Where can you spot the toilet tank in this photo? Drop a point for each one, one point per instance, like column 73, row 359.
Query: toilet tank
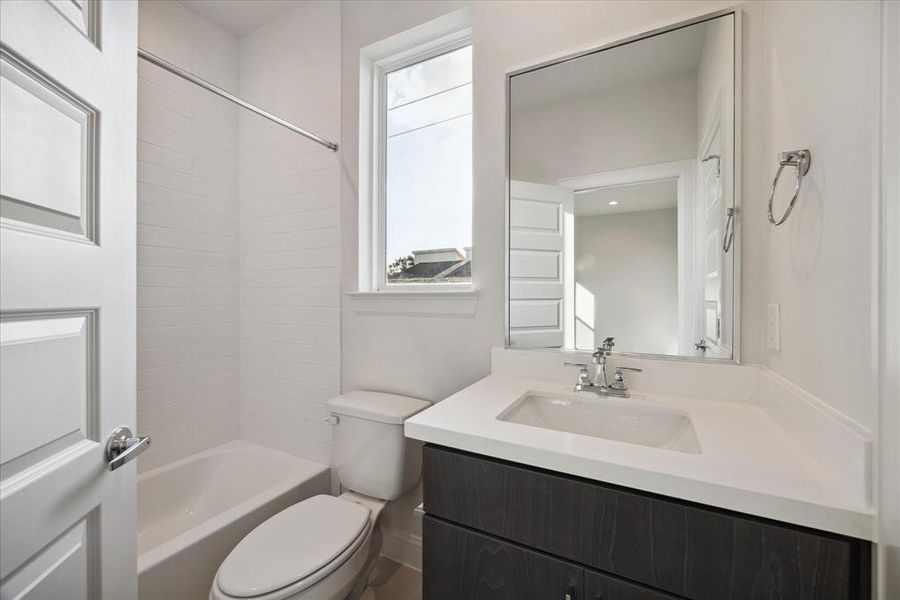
column 371, row 454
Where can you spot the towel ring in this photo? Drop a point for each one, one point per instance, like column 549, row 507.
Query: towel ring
column 800, row 160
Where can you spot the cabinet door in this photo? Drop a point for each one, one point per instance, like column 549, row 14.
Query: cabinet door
column 459, row 564
column 598, row 586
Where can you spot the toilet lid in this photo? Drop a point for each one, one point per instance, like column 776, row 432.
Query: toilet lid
column 292, row 545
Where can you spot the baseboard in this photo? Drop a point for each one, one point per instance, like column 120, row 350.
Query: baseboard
column 403, row 547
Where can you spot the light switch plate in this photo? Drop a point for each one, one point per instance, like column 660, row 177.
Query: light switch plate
column 773, row 327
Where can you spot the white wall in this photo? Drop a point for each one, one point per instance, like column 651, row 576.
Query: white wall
column 888, row 437
column 647, row 123
column 290, row 232
column 823, row 68
column 628, row 263
column 187, row 238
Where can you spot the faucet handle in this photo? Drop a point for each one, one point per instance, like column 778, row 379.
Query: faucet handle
column 619, row 380
column 583, row 379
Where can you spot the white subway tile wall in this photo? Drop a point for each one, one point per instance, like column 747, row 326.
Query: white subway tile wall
column 188, row 248
column 238, row 235
column 290, row 232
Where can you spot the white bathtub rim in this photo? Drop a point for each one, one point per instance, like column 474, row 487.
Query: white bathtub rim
column 297, row 475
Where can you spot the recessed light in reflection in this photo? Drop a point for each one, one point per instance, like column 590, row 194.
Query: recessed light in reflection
column 613, row 202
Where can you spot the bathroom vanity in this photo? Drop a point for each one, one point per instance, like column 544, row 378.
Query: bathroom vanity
column 497, row 529
column 532, row 490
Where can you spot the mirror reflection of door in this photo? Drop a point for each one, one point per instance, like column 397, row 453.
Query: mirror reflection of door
column 540, row 255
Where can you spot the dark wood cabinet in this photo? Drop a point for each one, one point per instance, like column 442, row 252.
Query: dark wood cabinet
column 600, row 586
column 465, row 565
column 634, row 545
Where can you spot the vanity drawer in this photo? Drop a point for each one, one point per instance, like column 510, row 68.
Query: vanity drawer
column 686, row 549
column 599, row 586
column 465, row 565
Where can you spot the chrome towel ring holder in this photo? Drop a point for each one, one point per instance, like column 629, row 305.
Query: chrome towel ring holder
column 800, row 160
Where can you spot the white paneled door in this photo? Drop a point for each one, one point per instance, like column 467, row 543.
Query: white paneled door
column 67, row 297
column 541, row 267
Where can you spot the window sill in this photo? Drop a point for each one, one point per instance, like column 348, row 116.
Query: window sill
column 416, row 303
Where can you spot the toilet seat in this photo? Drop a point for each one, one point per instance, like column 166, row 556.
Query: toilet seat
column 295, row 549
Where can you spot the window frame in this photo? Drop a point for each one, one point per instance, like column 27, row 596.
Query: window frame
column 381, row 69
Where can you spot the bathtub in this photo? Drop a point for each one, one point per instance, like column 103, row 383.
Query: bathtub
column 192, row 512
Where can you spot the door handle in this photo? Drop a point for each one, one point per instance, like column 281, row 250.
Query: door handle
column 728, row 236
column 122, row 447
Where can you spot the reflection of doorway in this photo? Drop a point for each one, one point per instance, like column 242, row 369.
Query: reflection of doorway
column 617, row 185
column 710, row 215
column 715, row 262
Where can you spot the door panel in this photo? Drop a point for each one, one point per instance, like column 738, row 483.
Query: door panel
column 464, row 565
column 47, row 186
column 43, row 415
column 535, row 313
column 65, row 569
column 84, row 15
column 67, row 297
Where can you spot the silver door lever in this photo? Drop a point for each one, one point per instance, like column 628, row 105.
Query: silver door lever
column 122, row 447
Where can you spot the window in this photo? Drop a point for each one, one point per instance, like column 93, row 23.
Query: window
column 423, row 187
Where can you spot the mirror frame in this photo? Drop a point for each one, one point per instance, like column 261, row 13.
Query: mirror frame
column 737, row 183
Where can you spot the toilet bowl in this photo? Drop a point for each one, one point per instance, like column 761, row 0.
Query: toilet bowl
column 324, row 547
column 315, row 550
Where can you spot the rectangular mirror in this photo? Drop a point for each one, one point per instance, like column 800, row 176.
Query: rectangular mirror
column 622, row 196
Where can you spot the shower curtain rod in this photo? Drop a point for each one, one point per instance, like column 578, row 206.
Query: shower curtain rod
column 152, row 58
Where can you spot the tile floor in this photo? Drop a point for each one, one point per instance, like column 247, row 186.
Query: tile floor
column 392, row 581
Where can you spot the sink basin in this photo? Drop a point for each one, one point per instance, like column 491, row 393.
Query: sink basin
column 612, row 419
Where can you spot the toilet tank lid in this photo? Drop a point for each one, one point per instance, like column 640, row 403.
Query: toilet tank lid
column 377, row 406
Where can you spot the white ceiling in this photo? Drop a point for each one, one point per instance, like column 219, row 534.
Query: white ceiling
column 240, row 17
column 663, row 55
column 639, row 197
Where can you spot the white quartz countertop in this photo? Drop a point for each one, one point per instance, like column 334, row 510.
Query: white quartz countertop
column 748, row 463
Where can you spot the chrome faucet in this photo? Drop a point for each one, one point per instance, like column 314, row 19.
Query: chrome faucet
column 599, row 358
column 600, row 385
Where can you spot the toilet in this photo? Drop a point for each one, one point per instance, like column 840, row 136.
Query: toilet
column 324, row 547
